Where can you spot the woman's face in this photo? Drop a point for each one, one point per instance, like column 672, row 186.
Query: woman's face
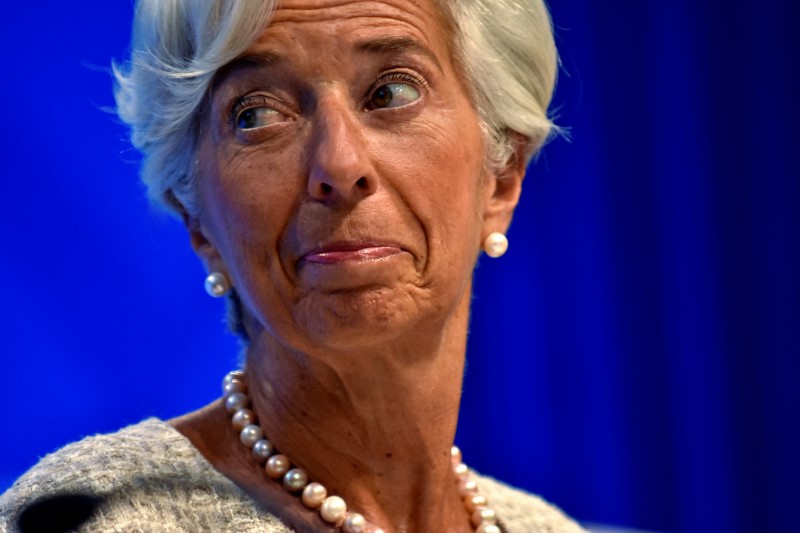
column 342, row 184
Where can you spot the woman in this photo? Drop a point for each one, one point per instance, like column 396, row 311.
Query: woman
column 338, row 165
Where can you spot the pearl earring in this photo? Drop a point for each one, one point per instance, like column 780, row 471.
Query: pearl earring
column 217, row 284
column 495, row 244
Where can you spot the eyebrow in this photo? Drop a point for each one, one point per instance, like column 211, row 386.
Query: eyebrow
column 380, row 46
column 246, row 62
column 394, row 45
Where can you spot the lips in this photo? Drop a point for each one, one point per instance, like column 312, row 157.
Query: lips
column 340, row 252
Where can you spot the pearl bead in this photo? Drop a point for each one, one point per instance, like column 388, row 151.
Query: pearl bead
column 488, row 528
column 455, row 455
column 295, row 479
column 314, row 494
column 234, row 386
column 277, row 466
column 250, row 435
column 217, row 284
column 474, row 501
column 467, row 487
column 235, row 402
column 354, row 523
column 461, row 471
column 333, row 509
column 262, row 449
column 242, row 418
column 495, row 245
column 236, row 375
column 483, row 515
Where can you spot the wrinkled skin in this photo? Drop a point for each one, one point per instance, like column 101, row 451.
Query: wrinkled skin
column 343, row 191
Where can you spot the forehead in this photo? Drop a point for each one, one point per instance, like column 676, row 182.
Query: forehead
column 338, row 23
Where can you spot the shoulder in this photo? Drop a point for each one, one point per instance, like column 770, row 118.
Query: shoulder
column 142, row 475
column 520, row 511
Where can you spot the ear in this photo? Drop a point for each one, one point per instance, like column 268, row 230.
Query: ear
column 505, row 188
column 199, row 238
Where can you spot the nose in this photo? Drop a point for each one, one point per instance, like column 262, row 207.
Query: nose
column 340, row 166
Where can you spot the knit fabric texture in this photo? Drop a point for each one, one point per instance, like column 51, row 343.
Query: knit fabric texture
column 149, row 477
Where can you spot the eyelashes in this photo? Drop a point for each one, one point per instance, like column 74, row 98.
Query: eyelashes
column 254, row 111
column 392, row 90
column 395, row 89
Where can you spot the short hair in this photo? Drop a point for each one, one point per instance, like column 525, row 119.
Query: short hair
column 506, row 49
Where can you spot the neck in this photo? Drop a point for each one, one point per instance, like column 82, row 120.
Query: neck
column 373, row 425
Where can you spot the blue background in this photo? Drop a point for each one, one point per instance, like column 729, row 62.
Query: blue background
column 633, row 358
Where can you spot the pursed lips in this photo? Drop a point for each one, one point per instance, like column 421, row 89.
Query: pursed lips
column 339, row 252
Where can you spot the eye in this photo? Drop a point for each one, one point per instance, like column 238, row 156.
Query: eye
column 257, row 117
column 255, row 111
column 391, row 95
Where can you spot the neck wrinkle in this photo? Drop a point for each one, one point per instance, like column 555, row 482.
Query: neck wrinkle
column 375, row 428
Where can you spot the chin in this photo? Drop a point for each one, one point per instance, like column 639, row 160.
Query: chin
column 356, row 318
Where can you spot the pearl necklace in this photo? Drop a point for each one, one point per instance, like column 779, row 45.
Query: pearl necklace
column 333, row 509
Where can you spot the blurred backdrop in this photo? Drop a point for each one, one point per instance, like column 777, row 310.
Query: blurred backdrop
column 633, row 358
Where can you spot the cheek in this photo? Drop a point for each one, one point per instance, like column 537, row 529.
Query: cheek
column 442, row 183
column 248, row 200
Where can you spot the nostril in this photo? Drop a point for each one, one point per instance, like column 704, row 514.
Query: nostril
column 326, row 189
column 362, row 183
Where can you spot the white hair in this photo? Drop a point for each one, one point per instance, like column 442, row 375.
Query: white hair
column 509, row 54
column 506, row 48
